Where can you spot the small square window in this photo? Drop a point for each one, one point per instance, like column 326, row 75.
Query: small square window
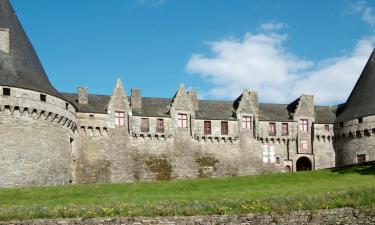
column 67, row 105
column 361, row 158
column 326, row 128
column 360, row 120
column 6, row 91
column 92, row 115
column 43, row 97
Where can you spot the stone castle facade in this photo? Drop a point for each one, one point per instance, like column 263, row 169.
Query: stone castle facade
column 53, row 138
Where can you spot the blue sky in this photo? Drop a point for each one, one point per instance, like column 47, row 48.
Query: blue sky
column 280, row 49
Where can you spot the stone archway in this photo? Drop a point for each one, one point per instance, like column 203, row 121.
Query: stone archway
column 304, row 164
column 287, row 169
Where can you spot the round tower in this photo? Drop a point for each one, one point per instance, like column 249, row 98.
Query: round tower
column 37, row 124
column 355, row 122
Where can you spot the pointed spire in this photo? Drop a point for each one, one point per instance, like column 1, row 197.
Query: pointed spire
column 119, row 89
column 19, row 64
column 361, row 101
column 182, row 87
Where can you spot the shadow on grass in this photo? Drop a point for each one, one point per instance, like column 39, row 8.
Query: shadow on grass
column 367, row 168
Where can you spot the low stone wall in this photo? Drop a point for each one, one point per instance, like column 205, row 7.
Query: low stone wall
column 333, row 216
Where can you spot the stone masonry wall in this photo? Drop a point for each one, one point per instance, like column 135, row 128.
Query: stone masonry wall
column 37, row 140
column 322, row 217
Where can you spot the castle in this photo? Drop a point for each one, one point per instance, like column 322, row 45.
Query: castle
column 53, row 138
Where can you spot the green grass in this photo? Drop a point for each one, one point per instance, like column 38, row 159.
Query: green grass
column 332, row 188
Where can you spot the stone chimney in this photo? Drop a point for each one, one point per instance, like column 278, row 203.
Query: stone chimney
column 83, row 95
column 136, row 99
column 194, row 99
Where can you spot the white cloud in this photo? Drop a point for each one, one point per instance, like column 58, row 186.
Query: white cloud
column 261, row 63
column 270, row 26
column 367, row 13
column 151, row 2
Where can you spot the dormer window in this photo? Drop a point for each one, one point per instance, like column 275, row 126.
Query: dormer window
column 119, row 119
column 246, row 122
column 304, row 125
column 182, row 120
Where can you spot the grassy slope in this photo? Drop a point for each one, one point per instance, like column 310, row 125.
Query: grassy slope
column 245, row 188
column 240, row 189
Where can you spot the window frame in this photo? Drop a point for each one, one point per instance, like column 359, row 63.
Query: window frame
column 7, row 91
column 326, row 128
column 304, row 125
column 145, row 128
column 359, row 156
column 284, row 132
column 247, row 122
column 225, row 128
column 120, row 119
column 207, row 127
column 272, row 129
column 160, row 126
column 182, row 120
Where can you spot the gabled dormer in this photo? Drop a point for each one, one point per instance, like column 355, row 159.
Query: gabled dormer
column 118, row 106
column 246, row 108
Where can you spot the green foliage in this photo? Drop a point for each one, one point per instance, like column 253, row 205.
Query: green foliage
column 325, row 189
column 205, row 161
column 160, row 166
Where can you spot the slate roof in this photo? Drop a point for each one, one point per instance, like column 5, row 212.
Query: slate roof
column 325, row 114
column 21, row 67
column 361, row 101
column 208, row 109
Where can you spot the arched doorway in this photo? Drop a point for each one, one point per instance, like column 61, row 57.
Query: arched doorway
column 287, row 169
column 304, row 164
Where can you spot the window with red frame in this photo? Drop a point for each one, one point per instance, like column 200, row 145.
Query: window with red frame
column 160, row 125
column 207, row 127
column 182, row 120
column 272, row 129
column 303, row 125
column 246, row 122
column 119, row 119
column 285, row 129
column 224, row 128
column 145, row 126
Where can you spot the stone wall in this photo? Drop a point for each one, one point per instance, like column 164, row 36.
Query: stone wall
column 322, row 217
column 37, row 140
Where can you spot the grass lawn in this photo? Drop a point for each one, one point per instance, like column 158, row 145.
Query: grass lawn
column 331, row 188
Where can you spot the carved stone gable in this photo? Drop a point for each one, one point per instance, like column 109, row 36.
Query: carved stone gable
column 305, row 107
column 182, row 101
column 119, row 100
column 248, row 103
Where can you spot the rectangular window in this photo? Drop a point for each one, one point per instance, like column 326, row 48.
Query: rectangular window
column 145, row 127
column 160, row 126
column 246, row 122
column 326, row 128
column 6, row 91
column 361, row 158
column 360, row 120
column 224, row 128
column 207, row 127
column 303, row 125
column 119, row 119
column 43, row 97
column 272, row 129
column 182, row 120
column 285, row 129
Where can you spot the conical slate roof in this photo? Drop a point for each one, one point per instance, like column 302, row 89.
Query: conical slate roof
column 20, row 67
column 361, row 101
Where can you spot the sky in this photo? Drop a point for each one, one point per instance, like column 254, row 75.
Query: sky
column 280, row 49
